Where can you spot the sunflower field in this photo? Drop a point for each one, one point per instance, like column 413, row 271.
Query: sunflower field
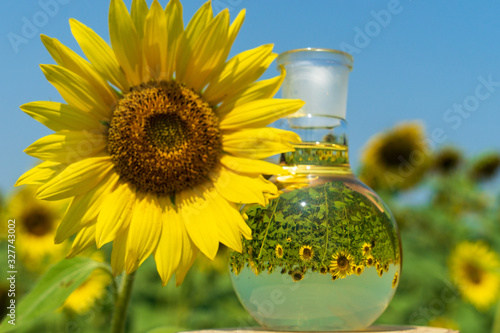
column 447, row 209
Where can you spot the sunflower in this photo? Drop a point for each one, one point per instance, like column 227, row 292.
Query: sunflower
column 36, row 224
column 366, row 248
column 83, row 298
column 395, row 280
column 297, row 275
column 443, row 322
column 396, row 159
column 161, row 139
column 370, row 261
column 447, row 160
column 254, row 267
column 486, row 167
column 279, row 251
column 358, row 269
column 341, row 264
column 474, row 269
column 306, row 253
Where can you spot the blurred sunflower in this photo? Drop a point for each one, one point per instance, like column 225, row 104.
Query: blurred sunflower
column 447, row 160
column 279, row 251
column 297, row 275
column 36, row 223
column 395, row 280
column 485, row 167
column 370, row 261
column 341, row 264
column 474, row 269
column 366, row 248
column 83, row 298
column 443, row 322
column 306, row 253
column 358, row 270
column 160, row 164
column 396, row 159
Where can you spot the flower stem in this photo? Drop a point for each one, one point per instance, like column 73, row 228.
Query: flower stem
column 121, row 304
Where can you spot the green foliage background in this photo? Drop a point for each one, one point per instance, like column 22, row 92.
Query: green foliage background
column 442, row 210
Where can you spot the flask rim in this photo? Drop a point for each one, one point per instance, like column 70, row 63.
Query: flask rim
column 313, row 53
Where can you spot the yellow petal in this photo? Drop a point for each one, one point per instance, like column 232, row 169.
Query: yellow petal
column 242, row 189
column 155, row 40
column 115, row 214
column 189, row 253
column 138, row 11
column 76, row 91
column 245, row 230
column 168, row 252
column 259, row 143
column 77, row 178
column 83, row 240
column 84, row 209
column 227, row 224
column 144, row 232
column 199, row 218
column 125, row 42
column 257, row 90
column 259, row 113
column 40, row 174
column 194, row 28
column 118, row 253
column 68, row 147
column 58, row 116
column 232, row 33
column 68, row 226
column 238, row 73
column 251, row 166
column 235, row 27
column 175, row 28
column 209, row 52
column 68, row 59
column 99, row 54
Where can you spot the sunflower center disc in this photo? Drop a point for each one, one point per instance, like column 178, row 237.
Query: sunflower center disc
column 164, row 138
column 37, row 221
column 396, row 152
column 342, row 262
column 473, row 273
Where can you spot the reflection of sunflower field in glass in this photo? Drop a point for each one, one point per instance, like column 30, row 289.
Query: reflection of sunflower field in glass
column 306, row 253
column 158, row 129
column 342, row 264
column 333, row 229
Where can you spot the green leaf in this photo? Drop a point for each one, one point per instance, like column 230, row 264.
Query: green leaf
column 50, row 292
column 339, row 204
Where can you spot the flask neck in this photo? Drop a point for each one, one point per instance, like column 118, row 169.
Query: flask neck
column 319, row 77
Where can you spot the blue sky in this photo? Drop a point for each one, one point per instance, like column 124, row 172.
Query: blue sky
column 437, row 61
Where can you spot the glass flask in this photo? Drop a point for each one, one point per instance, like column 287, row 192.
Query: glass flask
column 326, row 254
